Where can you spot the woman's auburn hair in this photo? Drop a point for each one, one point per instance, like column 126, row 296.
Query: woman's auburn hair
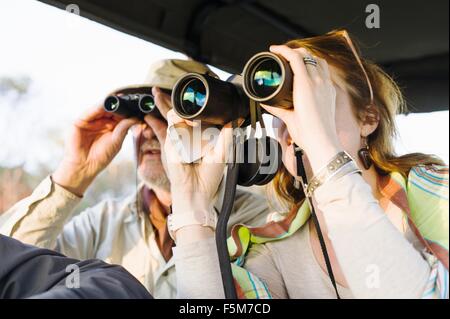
column 388, row 102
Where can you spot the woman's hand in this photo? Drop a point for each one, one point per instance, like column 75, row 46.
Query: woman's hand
column 95, row 139
column 194, row 185
column 311, row 123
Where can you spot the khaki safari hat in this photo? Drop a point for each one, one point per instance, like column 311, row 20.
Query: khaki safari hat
column 165, row 73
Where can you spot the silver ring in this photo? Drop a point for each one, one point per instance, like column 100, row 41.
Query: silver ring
column 310, row 60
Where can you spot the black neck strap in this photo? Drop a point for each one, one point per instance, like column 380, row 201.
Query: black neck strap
column 301, row 173
column 231, row 181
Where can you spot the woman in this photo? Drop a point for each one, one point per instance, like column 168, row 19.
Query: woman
column 384, row 218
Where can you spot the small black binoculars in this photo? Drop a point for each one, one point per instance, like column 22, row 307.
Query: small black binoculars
column 133, row 103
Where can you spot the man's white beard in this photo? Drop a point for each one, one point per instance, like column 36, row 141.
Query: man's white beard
column 161, row 181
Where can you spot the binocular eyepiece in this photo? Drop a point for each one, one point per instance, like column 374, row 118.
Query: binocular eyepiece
column 132, row 105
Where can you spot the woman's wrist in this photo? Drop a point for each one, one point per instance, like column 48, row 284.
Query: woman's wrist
column 193, row 216
column 193, row 233
column 184, row 202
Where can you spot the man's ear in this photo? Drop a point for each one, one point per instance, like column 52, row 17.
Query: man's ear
column 370, row 119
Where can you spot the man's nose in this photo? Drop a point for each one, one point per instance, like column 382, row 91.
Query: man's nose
column 148, row 132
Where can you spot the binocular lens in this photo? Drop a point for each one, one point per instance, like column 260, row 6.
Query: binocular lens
column 147, row 104
column 193, row 97
column 111, row 104
column 266, row 78
column 204, row 97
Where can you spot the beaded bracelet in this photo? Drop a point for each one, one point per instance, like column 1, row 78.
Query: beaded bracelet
column 341, row 164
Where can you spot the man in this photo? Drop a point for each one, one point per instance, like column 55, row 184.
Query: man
column 30, row 272
column 130, row 232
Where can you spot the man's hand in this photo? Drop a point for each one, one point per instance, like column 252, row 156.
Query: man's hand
column 95, row 139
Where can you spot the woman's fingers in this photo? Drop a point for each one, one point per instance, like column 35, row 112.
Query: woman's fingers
column 307, row 59
column 324, row 69
column 279, row 112
column 223, row 148
column 163, row 101
column 173, row 118
column 172, row 151
column 304, row 71
column 295, row 59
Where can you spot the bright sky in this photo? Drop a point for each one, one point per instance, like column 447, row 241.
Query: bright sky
column 73, row 63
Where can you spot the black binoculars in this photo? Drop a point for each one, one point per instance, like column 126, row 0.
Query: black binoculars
column 133, row 103
column 267, row 78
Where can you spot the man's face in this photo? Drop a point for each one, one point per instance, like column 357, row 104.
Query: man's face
column 148, row 149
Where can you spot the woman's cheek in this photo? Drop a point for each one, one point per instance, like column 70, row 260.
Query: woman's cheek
column 289, row 159
column 348, row 133
column 282, row 136
column 347, row 124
